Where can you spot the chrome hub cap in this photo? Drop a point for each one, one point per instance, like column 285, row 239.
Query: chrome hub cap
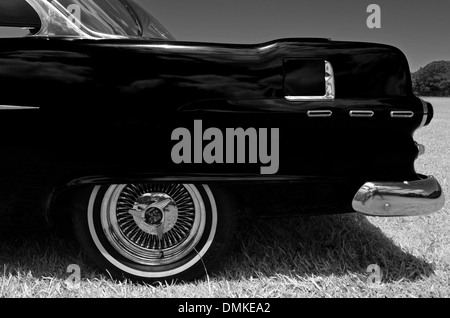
column 153, row 224
column 154, row 213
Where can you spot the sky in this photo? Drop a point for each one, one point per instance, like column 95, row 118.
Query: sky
column 421, row 29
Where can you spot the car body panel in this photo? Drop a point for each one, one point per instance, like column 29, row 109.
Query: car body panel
column 82, row 111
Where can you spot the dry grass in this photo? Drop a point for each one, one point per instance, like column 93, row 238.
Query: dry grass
column 323, row 256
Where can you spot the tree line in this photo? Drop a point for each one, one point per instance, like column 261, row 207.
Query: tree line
column 432, row 80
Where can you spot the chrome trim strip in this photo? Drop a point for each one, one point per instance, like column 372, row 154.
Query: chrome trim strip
column 402, row 114
column 10, row 107
column 320, row 113
column 330, row 90
column 408, row 198
column 425, row 113
column 361, row 113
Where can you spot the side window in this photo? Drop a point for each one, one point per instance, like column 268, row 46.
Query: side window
column 16, row 17
column 12, row 32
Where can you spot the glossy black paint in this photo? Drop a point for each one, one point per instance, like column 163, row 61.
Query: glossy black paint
column 105, row 110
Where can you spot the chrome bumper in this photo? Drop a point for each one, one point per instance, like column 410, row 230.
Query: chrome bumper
column 408, row 198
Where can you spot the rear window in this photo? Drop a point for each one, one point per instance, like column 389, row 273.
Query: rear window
column 112, row 17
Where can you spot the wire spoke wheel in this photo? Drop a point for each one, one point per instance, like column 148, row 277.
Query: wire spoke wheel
column 151, row 235
column 154, row 231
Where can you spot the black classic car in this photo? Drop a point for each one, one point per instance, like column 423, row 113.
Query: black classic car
column 150, row 146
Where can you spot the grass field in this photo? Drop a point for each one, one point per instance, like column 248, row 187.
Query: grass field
column 324, row 256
